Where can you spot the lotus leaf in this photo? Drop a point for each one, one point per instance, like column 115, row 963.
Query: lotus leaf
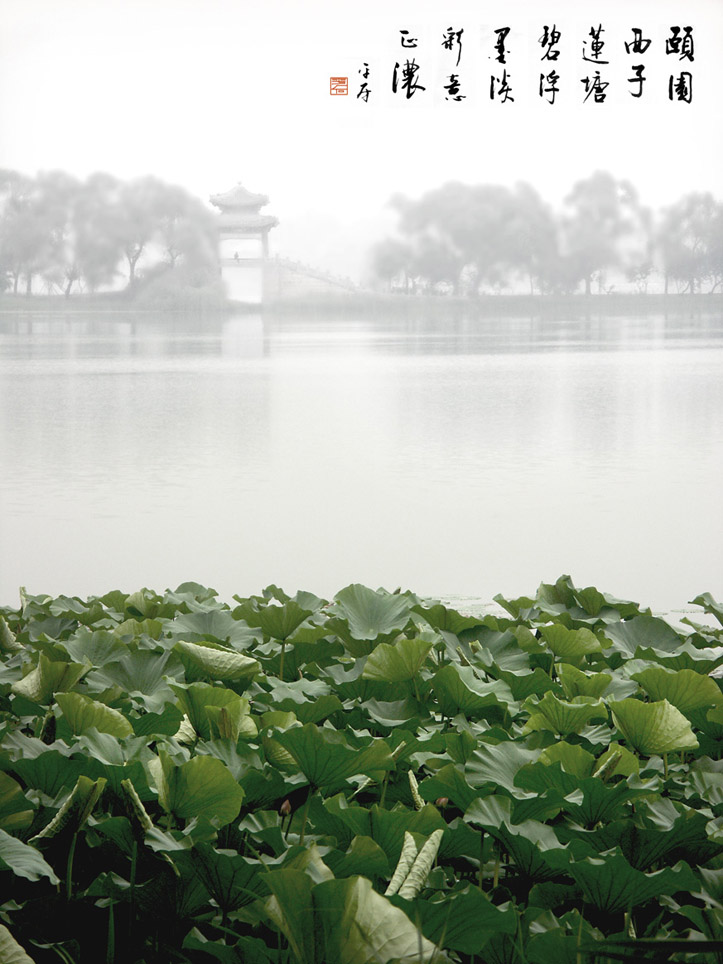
column 570, row 645
column 201, row 787
column 16, row 811
column 612, row 885
column 397, row 662
column 653, row 727
column 561, row 716
column 83, row 713
column 460, row 691
column 48, row 678
column 685, row 689
column 327, row 760
column 10, row 951
column 211, row 661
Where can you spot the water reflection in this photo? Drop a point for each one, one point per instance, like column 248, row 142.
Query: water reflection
column 464, row 456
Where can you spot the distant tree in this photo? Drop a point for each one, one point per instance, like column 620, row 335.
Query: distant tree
column 390, row 259
column 58, row 197
column 601, row 212
column 533, row 237
column 24, row 230
column 689, row 239
column 186, row 229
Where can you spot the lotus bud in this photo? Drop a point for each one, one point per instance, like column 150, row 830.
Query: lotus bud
column 441, row 802
column 285, row 808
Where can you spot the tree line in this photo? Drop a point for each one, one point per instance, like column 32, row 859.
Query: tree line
column 75, row 235
column 463, row 239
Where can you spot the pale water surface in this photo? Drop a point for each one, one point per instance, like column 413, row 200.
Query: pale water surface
column 450, row 457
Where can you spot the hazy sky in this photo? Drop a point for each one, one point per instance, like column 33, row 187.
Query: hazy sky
column 205, row 93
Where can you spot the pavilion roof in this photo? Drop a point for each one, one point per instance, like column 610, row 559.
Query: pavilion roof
column 239, row 197
column 240, row 220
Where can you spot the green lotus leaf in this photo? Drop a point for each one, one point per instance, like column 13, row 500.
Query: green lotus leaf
column 16, row 811
column 24, row 860
column 155, row 724
column 98, row 647
column 360, row 926
column 677, row 832
column 231, row 879
column 291, row 908
column 310, row 700
column 497, row 766
column 397, row 662
column 364, row 857
column 48, row 678
column 685, row 689
column 201, row 787
column 326, row 759
column 653, row 728
column 576, row 682
column 710, row 605
column 591, row 600
column 279, row 622
column 277, row 755
column 195, row 700
column 279, row 719
column 685, row 656
column 8, row 642
column 572, row 758
column 612, row 885
column 561, row 716
column 505, row 652
column 537, row 852
column 449, row 782
column 142, row 674
column 76, row 809
column 135, row 628
column 642, row 632
column 458, row 690
column 446, row 619
column 82, row 713
column 369, row 615
column 534, row 682
column 231, row 722
column 715, row 715
column 217, row 625
column 570, row 645
column 10, row 951
column 211, row 661
column 626, row 763
column 461, row 921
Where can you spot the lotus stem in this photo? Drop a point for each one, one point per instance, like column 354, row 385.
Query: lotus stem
column 281, row 664
column 480, row 872
column 384, row 790
column 110, row 949
column 69, row 868
column 665, row 765
column 496, row 878
column 305, row 815
column 134, row 863
column 578, row 956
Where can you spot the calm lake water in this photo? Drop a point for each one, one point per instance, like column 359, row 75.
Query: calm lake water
column 450, row 457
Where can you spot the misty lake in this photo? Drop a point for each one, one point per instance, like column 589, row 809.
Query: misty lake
column 459, row 457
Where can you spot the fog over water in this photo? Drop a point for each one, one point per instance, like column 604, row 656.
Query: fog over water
column 460, row 456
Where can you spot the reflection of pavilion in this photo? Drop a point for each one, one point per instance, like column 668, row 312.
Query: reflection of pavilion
column 243, row 242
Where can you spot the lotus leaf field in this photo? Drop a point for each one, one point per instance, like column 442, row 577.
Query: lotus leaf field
column 376, row 778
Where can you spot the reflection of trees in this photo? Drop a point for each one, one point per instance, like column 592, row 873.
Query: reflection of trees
column 465, row 238
column 75, row 233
